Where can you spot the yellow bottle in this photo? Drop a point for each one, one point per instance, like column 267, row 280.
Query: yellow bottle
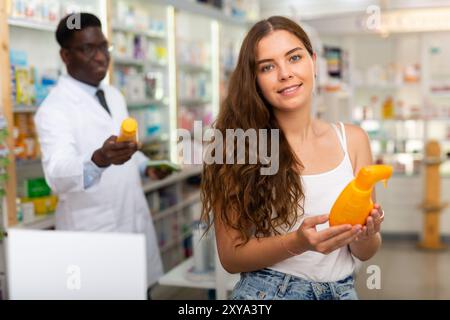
column 128, row 130
column 354, row 204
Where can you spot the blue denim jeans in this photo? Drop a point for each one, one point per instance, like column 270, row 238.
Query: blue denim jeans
column 267, row 284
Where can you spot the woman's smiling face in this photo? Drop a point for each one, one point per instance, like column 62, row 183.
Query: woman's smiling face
column 285, row 70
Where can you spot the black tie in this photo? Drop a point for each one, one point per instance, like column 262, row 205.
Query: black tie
column 101, row 98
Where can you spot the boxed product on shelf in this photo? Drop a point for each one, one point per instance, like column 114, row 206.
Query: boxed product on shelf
column 187, row 246
column 194, row 86
column 123, row 44
column 27, row 211
column 154, row 85
column 411, row 73
column 150, row 121
column 175, row 228
column 46, row 11
column 131, row 15
column 153, row 202
column 29, row 85
column 42, row 205
column 24, row 87
column 25, row 138
column 188, row 115
column 245, row 10
column 2, row 286
column 167, row 198
column 137, row 85
column 194, row 53
column 36, row 187
column 135, row 88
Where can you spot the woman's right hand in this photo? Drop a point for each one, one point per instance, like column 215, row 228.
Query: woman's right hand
column 328, row 240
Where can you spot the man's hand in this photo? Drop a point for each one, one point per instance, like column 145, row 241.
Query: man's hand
column 113, row 152
column 157, row 174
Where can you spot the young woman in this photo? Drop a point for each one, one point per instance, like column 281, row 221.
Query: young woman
column 274, row 229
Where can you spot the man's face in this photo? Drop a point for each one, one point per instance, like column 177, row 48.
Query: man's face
column 87, row 56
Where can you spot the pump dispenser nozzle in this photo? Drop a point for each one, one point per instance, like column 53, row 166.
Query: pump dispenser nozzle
column 368, row 176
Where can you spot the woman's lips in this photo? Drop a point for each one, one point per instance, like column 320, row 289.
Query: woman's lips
column 289, row 91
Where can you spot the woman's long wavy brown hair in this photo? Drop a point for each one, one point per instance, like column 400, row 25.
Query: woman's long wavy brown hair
column 238, row 194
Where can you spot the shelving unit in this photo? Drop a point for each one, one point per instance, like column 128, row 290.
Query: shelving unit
column 178, row 277
column 5, row 105
column 399, row 65
column 33, row 25
column 39, row 65
column 38, row 223
column 142, row 36
column 197, row 69
column 231, row 37
column 174, row 204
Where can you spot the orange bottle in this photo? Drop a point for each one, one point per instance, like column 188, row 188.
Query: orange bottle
column 128, row 130
column 354, row 204
column 388, row 108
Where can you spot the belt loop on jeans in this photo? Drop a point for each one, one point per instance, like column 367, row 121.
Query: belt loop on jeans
column 284, row 285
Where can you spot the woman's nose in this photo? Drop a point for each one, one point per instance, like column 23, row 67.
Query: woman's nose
column 284, row 73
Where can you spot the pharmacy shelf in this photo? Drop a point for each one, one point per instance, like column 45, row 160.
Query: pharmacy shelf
column 190, row 68
column 228, row 71
column 387, row 86
column 173, row 178
column 140, row 32
column 446, row 119
column 177, row 277
column 177, row 207
column 162, row 138
column 129, row 61
column 24, row 109
column 30, row 24
column 38, row 223
column 439, row 94
column 390, row 120
column 138, row 62
column 145, row 103
column 23, row 163
column 194, row 102
column 169, row 245
column 156, row 65
column 203, row 10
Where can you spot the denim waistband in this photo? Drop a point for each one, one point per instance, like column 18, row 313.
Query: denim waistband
column 271, row 284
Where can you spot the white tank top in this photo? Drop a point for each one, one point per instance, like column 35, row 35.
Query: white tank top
column 321, row 191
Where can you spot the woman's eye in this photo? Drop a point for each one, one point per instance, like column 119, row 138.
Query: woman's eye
column 267, row 67
column 296, row 58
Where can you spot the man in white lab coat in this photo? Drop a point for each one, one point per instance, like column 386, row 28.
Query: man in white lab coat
column 96, row 178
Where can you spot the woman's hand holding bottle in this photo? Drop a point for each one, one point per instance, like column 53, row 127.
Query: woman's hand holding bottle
column 327, row 240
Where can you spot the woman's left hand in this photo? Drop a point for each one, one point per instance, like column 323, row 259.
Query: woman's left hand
column 373, row 223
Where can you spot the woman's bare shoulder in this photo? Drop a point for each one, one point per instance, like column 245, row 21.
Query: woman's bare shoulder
column 355, row 133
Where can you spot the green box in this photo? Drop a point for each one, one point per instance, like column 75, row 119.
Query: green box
column 36, row 188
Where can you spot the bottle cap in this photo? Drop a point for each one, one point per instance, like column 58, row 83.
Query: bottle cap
column 129, row 125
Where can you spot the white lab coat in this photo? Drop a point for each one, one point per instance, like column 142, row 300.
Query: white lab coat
column 71, row 125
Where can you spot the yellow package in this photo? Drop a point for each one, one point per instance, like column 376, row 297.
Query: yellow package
column 40, row 206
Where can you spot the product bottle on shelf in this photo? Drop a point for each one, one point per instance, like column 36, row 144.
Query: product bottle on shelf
column 388, row 108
